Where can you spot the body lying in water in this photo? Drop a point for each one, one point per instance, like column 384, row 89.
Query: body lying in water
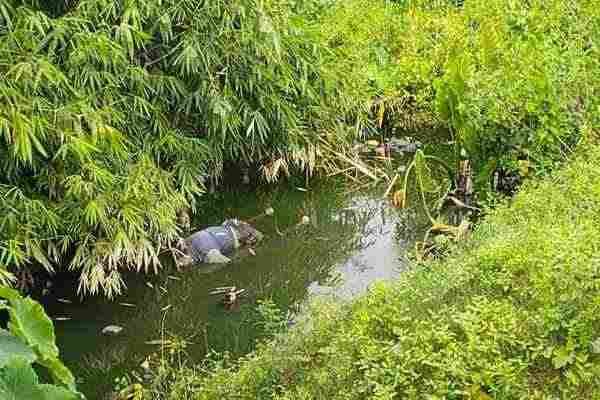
column 213, row 244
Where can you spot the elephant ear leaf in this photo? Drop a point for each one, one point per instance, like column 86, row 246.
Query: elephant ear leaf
column 29, row 323
column 18, row 381
column 51, row 392
column 60, row 373
column 11, row 346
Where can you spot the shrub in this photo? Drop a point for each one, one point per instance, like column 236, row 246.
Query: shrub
column 510, row 80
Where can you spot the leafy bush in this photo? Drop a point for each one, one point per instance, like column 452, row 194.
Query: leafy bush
column 30, row 339
column 513, row 314
column 115, row 113
column 510, row 79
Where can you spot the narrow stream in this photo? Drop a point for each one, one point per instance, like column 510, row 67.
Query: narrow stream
column 352, row 241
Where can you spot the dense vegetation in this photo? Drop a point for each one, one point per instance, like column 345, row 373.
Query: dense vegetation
column 513, row 314
column 28, row 340
column 116, row 113
column 512, row 80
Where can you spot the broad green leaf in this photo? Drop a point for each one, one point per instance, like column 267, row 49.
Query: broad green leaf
column 51, row 392
column 8, row 293
column 11, row 346
column 18, row 381
column 60, row 373
column 29, row 322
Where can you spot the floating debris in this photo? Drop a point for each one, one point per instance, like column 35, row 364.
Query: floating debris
column 127, row 305
column 174, row 278
column 230, row 295
column 305, row 220
column 251, row 251
column 149, row 285
column 65, row 301
column 246, row 178
column 145, row 365
column 221, row 289
column 158, row 342
column 62, row 318
column 269, row 211
column 112, row 330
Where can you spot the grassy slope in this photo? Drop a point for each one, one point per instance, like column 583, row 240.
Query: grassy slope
column 516, row 314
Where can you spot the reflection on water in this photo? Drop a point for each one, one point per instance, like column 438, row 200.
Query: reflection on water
column 375, row 254
column 348, row 245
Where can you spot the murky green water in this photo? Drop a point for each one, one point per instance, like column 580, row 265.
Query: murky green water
column 352, row 241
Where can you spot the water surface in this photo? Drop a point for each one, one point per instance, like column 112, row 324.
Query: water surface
column 351, row 241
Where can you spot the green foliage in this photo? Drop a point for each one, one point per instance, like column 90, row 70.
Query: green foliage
column 18, row 381
column 115, row 113
column 272, row 320
column 510, row 79
column 11, row 346
column 30, row 338
column 513, row 314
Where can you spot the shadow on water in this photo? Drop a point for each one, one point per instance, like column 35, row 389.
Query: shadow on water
column 350, row 242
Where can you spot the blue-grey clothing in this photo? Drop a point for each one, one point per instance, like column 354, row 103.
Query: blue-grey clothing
column 219, row 238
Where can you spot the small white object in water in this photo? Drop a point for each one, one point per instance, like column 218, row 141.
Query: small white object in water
column 112, row 330
column 251, row 251
column 269, row 211
column 305, row 220
column 145, row 365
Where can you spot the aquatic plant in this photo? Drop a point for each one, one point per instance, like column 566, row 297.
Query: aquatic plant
column 30, row 340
